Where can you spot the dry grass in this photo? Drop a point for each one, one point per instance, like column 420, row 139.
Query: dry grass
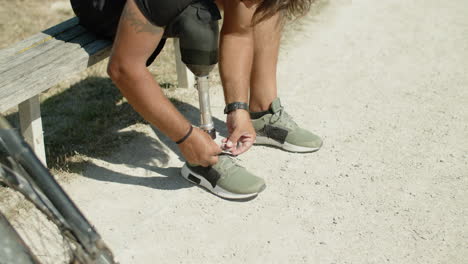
column 20, row 19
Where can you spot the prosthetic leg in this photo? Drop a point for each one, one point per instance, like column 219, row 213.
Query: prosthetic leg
column 206, row 120
column 198, row 32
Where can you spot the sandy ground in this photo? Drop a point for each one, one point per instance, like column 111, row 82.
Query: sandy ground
column 385, row 84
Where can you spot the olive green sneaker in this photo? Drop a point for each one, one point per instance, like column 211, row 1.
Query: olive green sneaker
column 277, row 128
column 226, row 179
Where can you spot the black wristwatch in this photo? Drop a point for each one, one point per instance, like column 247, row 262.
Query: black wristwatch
column 234, row 106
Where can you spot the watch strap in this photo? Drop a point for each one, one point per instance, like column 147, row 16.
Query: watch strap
column 234, row 106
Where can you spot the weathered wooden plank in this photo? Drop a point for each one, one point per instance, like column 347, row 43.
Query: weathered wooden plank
column 42, row 72
column 50, row 43
column 43, row 53
column 40, row 56
column 37, row 39
column 34, row 65
column 39, row 62
column 31, row 126
column 27, row 81
column 42, row 76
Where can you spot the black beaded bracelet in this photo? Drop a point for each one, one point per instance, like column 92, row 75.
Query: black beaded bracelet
column 186, row 136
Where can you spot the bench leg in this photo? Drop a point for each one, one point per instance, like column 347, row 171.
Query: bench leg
column 185, row 77
column 31, row 126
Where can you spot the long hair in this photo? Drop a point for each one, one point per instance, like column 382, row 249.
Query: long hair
column 288, row 8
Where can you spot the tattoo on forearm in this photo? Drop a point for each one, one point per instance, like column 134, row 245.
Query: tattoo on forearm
column 138, row 24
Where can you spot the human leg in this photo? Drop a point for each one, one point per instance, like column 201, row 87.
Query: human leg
column 198, row 33
column 272, row 124
column 263, row 88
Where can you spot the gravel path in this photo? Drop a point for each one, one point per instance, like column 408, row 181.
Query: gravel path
column 386, row 85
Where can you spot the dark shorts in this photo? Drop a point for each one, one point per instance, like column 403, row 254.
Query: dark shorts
column 162, row 12
column 102, row 16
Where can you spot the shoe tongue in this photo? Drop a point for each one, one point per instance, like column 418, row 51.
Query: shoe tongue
column 223, row 160
column 275, row 105
column 225, row 163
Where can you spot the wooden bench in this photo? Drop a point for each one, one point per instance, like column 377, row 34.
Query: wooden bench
column 36, row 64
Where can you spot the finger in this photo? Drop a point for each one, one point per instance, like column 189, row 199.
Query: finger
column 245, row 144
column 225, row 148
column 229, row 144
column 242, row 148
column 232, row 139
column 216, row 151
column 228, row 150
column 224, row 145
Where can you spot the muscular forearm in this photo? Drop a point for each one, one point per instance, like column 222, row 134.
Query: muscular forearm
column 135, row 41
column 146, row 97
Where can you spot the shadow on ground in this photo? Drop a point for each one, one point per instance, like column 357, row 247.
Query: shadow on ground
column 90, row 119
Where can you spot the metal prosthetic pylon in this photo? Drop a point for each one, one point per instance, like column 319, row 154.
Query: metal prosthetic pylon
column 206, row 119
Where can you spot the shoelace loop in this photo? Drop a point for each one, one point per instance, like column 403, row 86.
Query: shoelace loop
column 225, row 164
column 278, row 116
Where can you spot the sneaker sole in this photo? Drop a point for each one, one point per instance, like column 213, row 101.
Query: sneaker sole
column 285, row 146
column 201, row 181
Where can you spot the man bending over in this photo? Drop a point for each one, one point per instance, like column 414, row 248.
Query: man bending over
column 249, row 47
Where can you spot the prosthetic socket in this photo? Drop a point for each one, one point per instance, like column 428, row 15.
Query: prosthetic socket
column 198, row 33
